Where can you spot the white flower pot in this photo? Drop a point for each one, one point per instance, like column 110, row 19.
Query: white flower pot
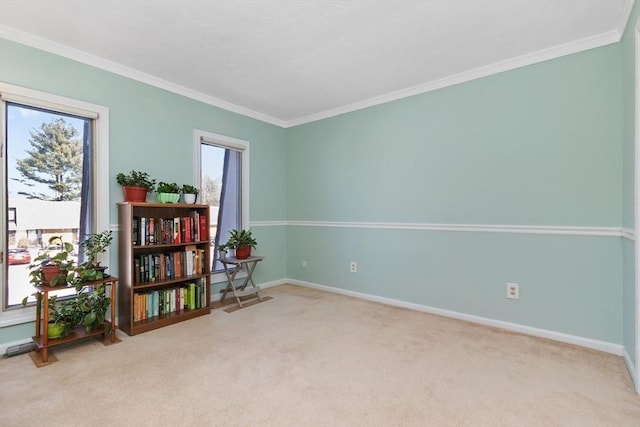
column 189, row 198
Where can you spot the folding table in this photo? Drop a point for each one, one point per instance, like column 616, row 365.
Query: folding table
column 232, row 266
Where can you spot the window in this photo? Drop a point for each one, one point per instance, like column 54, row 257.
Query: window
column 223, row 166
column 50, row 179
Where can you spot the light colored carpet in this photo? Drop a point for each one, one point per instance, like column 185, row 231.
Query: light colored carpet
column 311, row 358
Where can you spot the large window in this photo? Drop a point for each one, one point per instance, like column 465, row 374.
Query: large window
column 224, row 185
column 50, row 180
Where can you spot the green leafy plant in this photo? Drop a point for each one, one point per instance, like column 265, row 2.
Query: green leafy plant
column 95, row 244
column 240, row 238
column 136, row 179
column 59, row 313
column 89, row 307
column 166, row 187
column 189, row 189
column 61, row 263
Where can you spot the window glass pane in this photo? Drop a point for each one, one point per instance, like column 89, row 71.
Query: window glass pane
column 221, row 190
column 44, row 167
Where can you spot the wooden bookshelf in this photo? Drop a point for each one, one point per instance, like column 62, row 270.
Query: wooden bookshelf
column 164, row 264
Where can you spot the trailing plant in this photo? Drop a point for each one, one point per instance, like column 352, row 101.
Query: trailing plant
column 136, row 179
column 90, row 307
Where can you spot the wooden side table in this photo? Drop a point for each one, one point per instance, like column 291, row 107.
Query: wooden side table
column 41, row 338
column 232, row 266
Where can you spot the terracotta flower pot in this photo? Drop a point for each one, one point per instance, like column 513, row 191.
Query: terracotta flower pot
column 134, row 194
column 243, row 252
column 49, row 272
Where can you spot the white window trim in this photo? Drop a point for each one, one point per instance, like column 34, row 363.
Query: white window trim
column 237, row 144
column 31, row 97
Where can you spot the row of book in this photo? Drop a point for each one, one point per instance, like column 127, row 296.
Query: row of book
column 161, row 302
column 169, row 265
column 154, row 231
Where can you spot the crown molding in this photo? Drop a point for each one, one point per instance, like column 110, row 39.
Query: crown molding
column 627, row 7
column 576, row 46
column 587, row 43
column 122, row 70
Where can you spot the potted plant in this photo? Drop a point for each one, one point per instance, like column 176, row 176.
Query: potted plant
column 53, row 269
column 90, row 307
column 222, row 251
column 95, row 244
column 62, row 320
column 189, row 193
column 135, row 185
column 168, row 192
column 242, row 241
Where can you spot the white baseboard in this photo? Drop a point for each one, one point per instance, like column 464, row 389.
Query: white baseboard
column 607, row 347
column 632, row 370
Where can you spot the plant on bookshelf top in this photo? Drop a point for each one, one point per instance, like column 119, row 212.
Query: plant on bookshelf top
column 53, row 269
column 242, row 241
column 168, row 192
column 135, row 185
column 189, row 189
column 189, row 193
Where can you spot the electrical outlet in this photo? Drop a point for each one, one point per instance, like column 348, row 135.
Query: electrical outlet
column 353, row 267
column 513, row 291
column 304, row 263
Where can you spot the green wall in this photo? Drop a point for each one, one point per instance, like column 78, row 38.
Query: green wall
column 628, row 217
column 536, row 146
column 152, row 130
column 541, row 145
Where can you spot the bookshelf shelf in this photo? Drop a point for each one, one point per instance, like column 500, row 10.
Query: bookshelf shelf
column 164, row 264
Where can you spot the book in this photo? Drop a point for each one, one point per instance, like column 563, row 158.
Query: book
column 203, row 228
column 136, row 270
column 195, row 225
column 135, row 236
column 189, row 251
column 152, row 231
column 143, row 231
column 176, row 230
column 186, row 221
column 192, row 295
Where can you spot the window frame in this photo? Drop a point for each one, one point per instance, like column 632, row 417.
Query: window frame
column 240, row 145
column 100, row 115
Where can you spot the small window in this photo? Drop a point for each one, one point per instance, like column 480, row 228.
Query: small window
column 223, row 186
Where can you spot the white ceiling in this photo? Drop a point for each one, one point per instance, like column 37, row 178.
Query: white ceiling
column 290, row 62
